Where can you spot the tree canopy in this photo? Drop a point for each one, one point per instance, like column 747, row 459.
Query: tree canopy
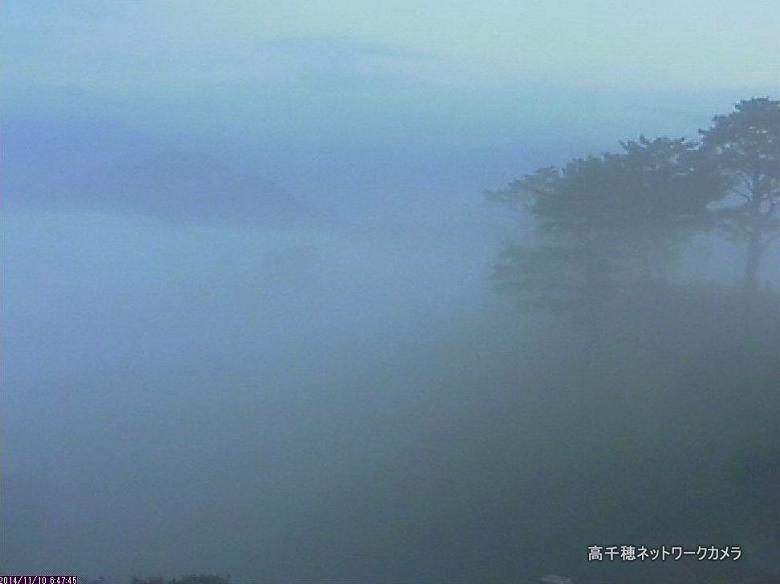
column 619, row 218
column 745, row 147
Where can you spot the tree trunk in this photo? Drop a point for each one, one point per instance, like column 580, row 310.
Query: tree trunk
column 753, row 261
column 754, row 249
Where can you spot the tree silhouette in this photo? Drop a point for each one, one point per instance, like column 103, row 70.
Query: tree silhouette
column 745, row 146
column 605, row 220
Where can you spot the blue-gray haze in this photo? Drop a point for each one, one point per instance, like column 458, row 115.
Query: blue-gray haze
column 248, row 325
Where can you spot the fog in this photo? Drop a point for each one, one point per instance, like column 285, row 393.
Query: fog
column 251, row 323
column 223, row 399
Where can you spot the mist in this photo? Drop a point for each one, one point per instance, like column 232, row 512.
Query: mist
column 257, row 321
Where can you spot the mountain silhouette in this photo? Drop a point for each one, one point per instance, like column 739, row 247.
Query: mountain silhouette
column 104, row 169
column 191, row 187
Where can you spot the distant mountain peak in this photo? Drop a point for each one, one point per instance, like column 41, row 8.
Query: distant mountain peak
column 122, row 174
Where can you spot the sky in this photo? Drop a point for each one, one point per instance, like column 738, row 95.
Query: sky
column 146, row 46
column 479, row 91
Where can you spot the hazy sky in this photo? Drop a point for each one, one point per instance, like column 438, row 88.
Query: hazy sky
column 327, row 81
column 147, row 45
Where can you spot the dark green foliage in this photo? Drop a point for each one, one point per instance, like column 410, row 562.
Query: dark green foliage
column 670, row 398
column 745, row 148
column 670, row 430
column 191, row 579
column 605, row 221
column 201, row 579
